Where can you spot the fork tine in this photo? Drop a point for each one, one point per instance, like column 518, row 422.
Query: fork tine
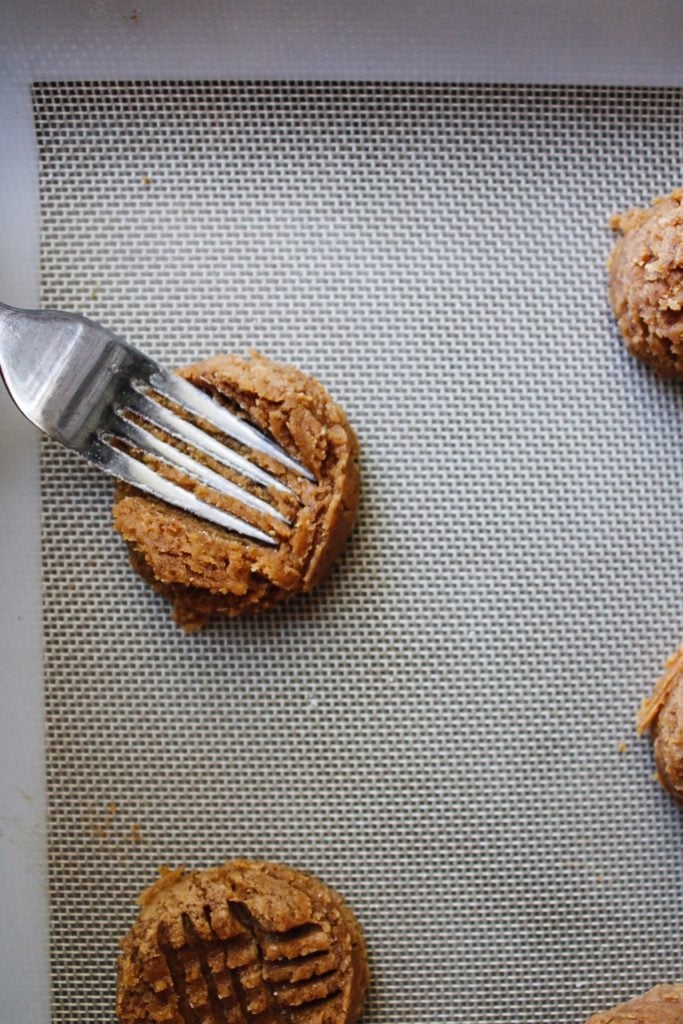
column 171, row 455
column 194, row 400
column 131, row 471
column 183, row 430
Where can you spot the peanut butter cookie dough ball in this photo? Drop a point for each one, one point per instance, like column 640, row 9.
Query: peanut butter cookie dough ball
column 662, row 716
column 661, row 1005
column 646, row 283
column 246, row 942
column 204, row 570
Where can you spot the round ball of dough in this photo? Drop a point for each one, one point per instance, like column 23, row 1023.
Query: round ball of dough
column 661, row 1005
column 248, row 941
column 662, row 716
column 646, row 283
column 203, row 569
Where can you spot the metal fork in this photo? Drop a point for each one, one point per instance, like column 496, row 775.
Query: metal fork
column 77, row 382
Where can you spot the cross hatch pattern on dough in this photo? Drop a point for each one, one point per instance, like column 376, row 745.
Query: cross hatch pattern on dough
column 436, row 730
column 251, row 976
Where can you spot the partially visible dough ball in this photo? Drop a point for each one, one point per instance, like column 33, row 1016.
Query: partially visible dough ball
column 662, row 716
column 249, row 941
column 204, row 570
column 661, row 1005
column 646, row 283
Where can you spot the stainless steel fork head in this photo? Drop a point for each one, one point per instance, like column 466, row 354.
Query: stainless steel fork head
column 76, row 380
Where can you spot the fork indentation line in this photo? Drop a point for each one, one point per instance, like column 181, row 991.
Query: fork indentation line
column 183, row 430
column 131, row 471
column 146, row 441
column 194, row 400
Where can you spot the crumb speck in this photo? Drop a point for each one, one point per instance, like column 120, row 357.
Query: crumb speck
column 136, row 833
column 112, row 809
column 146, row 180
column 622, row 747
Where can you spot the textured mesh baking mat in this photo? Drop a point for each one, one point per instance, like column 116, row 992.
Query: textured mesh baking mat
column 437, row 730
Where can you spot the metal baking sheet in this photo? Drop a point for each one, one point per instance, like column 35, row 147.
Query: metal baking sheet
column 439, row 730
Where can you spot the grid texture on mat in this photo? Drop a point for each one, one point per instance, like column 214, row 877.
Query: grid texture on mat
column 435, row 731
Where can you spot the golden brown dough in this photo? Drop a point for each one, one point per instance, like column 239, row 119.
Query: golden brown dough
column 661, row 1005
column 245, row 942
column 204, row 570
column 646, row 283
column 662, row 716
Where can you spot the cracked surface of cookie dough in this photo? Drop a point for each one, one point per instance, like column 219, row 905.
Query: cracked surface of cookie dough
column 662, row 716
column 205, row 570
column 646, row 283
column 661, row 1005
column 245, row 942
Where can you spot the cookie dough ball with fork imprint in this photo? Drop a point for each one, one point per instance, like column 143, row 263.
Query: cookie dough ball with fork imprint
column 246, row 943
column 204, row 570
column 661, row 1005
column 646, row 283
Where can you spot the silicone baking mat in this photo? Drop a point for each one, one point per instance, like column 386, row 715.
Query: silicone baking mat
column 439, row 730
